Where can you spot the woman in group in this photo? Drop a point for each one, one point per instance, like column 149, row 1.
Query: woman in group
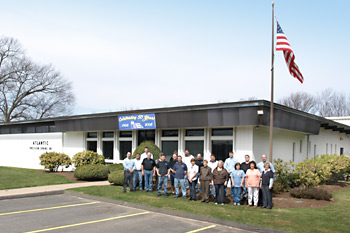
column 220, row 178
column 204, row 181
column 237, row 179
column 192, row 179
column 266, row 186
column 252, row 182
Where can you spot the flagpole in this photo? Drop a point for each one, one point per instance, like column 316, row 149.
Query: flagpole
column 272, row 74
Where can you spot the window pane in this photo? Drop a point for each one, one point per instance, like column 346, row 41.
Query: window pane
column 42, row 129
column 92, row 135
column 125, row 134
column 124, row 147
column 170, row 133
column 195, row 147
column 222, row 132
column 221, row 148
column 52, row 128
column 108, row 149
column 108, row 134
column 29, row 129
column 91, row 145
column 146, row 135
column 16, row 130
column 194, row 132
column 168, row 148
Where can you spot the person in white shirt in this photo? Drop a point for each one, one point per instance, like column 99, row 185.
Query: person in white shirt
column 192, row 172
column 144, row 154
column 187, row 160
column 212, row 164
column 138, row 171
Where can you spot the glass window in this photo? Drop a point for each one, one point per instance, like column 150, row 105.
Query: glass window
column 168, row 148
column 124, row 147
column 194, row 132
column 170, row 133
column 108, row 134
column 29, row 129
column 195, row 147
column 222, row 132
column 52, row 128
column 221, row 148
column 16, row 130
column 108, row 149
column 91, row 145
column 146, row 135
column 125, row 134
column 92, row 135
column 5, row 130
column 42, row 129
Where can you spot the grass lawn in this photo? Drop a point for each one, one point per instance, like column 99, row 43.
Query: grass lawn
column 333, row 218
column 11, row 177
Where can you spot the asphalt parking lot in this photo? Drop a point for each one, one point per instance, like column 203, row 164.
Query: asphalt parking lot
column 66, row 213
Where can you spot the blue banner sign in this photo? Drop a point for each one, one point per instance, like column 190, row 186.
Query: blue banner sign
column 138, row 121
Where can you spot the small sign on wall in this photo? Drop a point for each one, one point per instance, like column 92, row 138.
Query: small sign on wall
column 40, row 145
column 137, row 121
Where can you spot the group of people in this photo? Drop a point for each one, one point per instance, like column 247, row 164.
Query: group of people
column 252, row 181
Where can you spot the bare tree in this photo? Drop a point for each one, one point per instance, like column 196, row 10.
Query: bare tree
column 28, row 90
column 330, row 103
column 301, row 101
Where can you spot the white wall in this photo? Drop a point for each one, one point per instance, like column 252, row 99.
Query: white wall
column 23, row 150
column 243, row 142
column 73, row 142
column 282, row 144
column 334, row 139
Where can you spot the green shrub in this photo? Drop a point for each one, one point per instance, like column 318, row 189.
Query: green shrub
column 285, row 176
column 153, row 148
column 311, row 193
column 53, row 160
column 87, row 157
column 115, row 167
column 116, row 177
column 322, row 169
column 91, row 172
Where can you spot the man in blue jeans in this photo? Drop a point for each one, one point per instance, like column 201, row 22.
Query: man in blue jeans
column 245, row 167
column 180, row 170
column 129, row 167
column 138, row 172
column 163, row 171
column 148, row 171
column 229, row 165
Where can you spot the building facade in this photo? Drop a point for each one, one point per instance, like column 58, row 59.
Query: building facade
column 241, row 127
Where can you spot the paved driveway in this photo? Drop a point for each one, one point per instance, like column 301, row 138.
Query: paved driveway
column 66, row 213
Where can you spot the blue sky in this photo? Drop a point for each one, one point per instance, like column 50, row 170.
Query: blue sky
column 143, row 54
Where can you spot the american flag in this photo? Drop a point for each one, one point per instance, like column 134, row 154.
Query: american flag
column 283, row 45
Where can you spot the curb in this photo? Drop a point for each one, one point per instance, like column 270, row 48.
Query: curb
column 37, row 194
column 177, row 213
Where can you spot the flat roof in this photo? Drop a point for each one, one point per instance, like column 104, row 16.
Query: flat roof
column 206, row 115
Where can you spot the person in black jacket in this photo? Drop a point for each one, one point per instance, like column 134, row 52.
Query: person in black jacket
column 266, row 185
column 148, row 171
column 172, row 162
column 245, row 167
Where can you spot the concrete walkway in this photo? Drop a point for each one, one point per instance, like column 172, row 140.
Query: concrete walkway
column 45, row 190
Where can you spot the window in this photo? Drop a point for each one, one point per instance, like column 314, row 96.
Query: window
column 16, row 130
column 29, row 129
column 301, row 146
column 221, row 148
column 92, row 135
column 195, row 147
column 108, row 149
column 293, row 155
column 124, row 147
column 341, row 151
column 125, row 134
column 108, row 135
column 222, row 132
column 327, row 148
column 91, row 145
column 168, row 147
column 52, row 128
column 42, row 129
column 170, row 133
column 335, row 148
column 146, row 135
column 331, row 148
column 195, row 132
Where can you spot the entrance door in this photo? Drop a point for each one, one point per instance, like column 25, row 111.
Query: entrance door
column 221, row 148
